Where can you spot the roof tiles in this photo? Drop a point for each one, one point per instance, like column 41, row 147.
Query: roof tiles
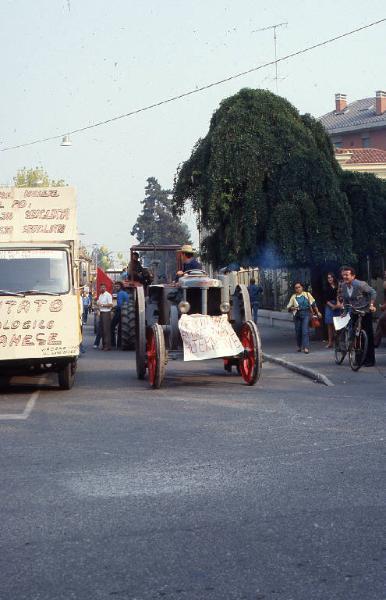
column 356, row 115
column 363, row 155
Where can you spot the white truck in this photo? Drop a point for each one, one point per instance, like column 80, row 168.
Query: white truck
column 39, row 295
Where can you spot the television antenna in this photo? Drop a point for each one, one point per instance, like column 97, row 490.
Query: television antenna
column 274, row 27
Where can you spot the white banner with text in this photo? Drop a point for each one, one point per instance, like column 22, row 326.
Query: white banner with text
column 208, row 337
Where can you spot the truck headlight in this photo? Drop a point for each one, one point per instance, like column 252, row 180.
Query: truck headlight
column 184, row 307
column 225, row 307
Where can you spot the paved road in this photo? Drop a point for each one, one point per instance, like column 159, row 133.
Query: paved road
column 206, row 489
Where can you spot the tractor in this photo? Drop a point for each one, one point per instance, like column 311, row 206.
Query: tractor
column 194, row 317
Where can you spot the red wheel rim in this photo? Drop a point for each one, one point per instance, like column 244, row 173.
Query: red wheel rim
column 248, row 361
column 151, row 353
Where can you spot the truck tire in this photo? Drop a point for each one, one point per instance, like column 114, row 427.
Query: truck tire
column 66, row 375
column 128, row 324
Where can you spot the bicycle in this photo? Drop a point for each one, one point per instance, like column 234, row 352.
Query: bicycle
column 352, row 340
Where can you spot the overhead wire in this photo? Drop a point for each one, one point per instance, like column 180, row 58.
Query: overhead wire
column 197, row 89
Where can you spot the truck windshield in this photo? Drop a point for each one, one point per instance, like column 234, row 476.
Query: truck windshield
column 34, row 271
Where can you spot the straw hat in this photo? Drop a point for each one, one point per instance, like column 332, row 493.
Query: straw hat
column 187, row 248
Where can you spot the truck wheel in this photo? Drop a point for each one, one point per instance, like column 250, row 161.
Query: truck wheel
column 128, row 324
column 66, row 376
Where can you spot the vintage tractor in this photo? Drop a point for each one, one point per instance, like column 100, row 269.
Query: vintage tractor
column 141, row 278
column 195, row 317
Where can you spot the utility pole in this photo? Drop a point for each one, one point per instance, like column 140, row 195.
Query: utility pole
column 274, row 27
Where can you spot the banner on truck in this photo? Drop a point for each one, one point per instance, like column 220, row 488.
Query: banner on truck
column 208, row 337
column 39, row 327
column 37, row 214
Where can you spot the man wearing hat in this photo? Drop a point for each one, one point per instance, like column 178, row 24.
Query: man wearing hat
column 189, row 262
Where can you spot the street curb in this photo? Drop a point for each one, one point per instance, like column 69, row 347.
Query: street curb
column 305, row 371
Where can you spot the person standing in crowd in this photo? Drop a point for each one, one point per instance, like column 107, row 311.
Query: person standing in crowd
column 85, row 306
column 124, row 274
column 302, row 304
column 122, row 298
column 90, row 307
column 254, row 292
column 358, row 294
column 331, row 310
column 189, row 262
column 105, row 304
column 380, row 331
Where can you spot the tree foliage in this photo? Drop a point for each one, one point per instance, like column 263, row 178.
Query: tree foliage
column 265, row 183
column 367, row 198
column 156, row 224
column 36, row 177
column 103, row 257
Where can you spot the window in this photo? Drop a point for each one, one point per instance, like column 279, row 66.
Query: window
column 38, row 270
column 338, row 144
column 365, row 142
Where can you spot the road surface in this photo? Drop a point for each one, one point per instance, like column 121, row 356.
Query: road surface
column 205, row 489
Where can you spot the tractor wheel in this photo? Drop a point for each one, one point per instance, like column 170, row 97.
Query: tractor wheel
column 128, row 324
column 156, row 355
column 251, row 361
column 140, row 333
column 227, row 365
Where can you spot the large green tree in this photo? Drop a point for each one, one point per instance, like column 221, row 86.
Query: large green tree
column 265, row 185
column 36, row 177
column 156, row 223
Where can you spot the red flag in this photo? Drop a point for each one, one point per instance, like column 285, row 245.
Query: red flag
column 103, row 278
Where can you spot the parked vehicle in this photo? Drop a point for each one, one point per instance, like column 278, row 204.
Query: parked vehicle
column 39, row 300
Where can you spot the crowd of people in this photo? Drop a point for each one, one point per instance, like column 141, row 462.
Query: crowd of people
column 341, row 297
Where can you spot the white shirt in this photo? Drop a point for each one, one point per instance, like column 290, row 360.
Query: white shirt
column 105, row 298
column 350, row 290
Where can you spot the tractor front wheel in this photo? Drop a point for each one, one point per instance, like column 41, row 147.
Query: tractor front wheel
column 156, row 355
column 250, row 362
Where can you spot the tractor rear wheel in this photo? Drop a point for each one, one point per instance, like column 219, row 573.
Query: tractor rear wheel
column 128, row 323
column 252, row 359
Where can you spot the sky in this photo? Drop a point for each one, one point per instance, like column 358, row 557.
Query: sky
column 68, row 63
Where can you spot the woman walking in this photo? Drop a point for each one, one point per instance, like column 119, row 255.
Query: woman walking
column 332, row 310
column 302, row 304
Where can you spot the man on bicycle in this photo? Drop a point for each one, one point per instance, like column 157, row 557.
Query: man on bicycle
column 356, row 294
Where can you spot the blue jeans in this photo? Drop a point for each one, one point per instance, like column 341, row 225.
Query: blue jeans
column 255, row 308
column 302, row 324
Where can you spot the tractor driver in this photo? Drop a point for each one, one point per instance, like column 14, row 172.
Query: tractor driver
column 189, row 261
column 135, row 269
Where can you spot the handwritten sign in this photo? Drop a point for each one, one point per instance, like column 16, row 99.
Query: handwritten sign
column 208, row 337
column 37, row 214
column 39, row 327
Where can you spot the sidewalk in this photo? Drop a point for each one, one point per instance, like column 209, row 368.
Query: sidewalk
column 280, row 343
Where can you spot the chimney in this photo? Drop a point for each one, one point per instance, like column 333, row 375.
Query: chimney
column 380, row 102
column 340, row 102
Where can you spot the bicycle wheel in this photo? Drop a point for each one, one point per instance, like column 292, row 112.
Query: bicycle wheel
column 358, row 350
column 340, row 346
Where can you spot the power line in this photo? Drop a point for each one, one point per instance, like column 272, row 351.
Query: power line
column 197, row 89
